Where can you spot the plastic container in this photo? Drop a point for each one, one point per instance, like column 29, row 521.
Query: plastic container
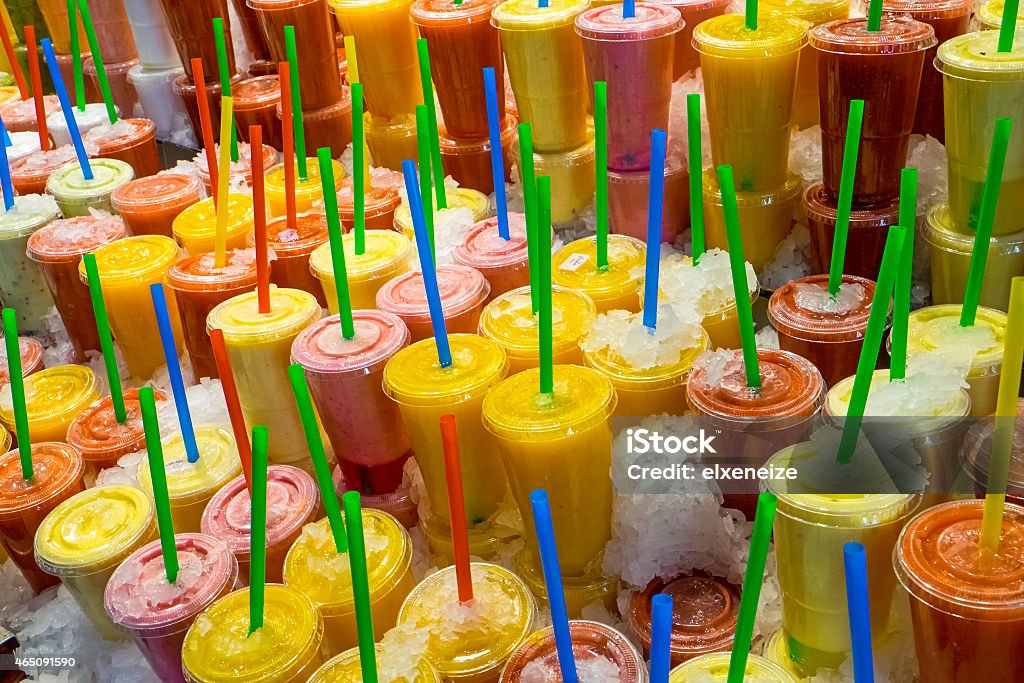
column 122, row 91
column 575, row 267
column 573, row 177
column 463, row 293
column 628, row 199
column 95, row 115
column 388, row 254
column 504, row 262
column 191, row 27
column 77, row 196
column 195, row 228
column 390, row 141
column 329, row 126
column 292, row 248
column 468, row 161
column 153, row 40
column 255, row 102
column 150, row 205
column 101, row 440
column 158, row 99
column 20, row 115
column 186, row 90
column 868, row 228
column 137, row 147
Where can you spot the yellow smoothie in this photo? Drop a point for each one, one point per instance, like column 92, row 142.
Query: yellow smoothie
column 457, row 198
column 195, row 228
column 714, row 668
column 990, row 15
column 346, row 668
column 307, row 191
column 572, row 174
column 615, row 287
column 387, row 255
column 54, row 397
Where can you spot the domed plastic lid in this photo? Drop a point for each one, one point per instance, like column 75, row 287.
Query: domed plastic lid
column 787, row 191
column 941, row 231
column 68, row 181
column 200, row 219
column 52, row 392
column 977, row 55
column 55, row 467
column 814, row 11
column 119, row 135
column 134, row 258
column 97, row 434
column 651, row 20
column 31, row 353
column 310, row 232
column 415, row 377
column 70, row 238
column 508, row 128
column 461, row 288
column 255, row 93
column 899, row 34
column 484, row 247
column 824, row 208
column 727, row 35
column 458, row 198
column 715, row 667
column 346, row 668
column 218, row 462
column 39, row 165
column 200, row 272
column 291, row 311
column 275, row 180
column 30, row 213
column 624, row 375
column 376, row 199
column 322, row 348
column 383, row 250
column 990, row 14
column 704, row 611
column 930, row 10
column 804, row 309
column 976, row 452
column 440, row 12
column 525, row 15
column 590, row 641
column 157, row 189
column 509, row 320
column 938, row 327
column 575, row 266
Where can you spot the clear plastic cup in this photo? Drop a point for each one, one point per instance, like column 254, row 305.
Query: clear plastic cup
column 255, row 102
column 29, row 175
column 22, row 285
column 468, row 160
column 387, row 255
column 238, row 170
column 77, row 196
column 686, row 58
column 390, row 140
column 536, row 659
column 195, row 228
column 186, row 89
column 31, row 352
column 191, row 27
column 20, row 115
column 714, row 668
column 22, row 146
column 101, row 440
column 54, row 397
column 55, row 14
column 615, row 287
column 463, row 291
column 976, row 457
column 458, row 198
column 346, row 668
column 572, row 174
column 379, row 204
column 152, row 37
column 990, row 15
column 95, row 115
column 292, row 248
column 867, row 230
column 306, row 191
column 150, row 205
column 628, row 199
column 113, row 32
column 122, row 92
column 504, row 262
column 133, row 141
column 160, row 103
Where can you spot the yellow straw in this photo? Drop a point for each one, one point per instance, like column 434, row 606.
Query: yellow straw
column 224, row 170
column 353, row 77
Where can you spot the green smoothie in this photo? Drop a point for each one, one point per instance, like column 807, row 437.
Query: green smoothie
column 22, row 286
column 75, row 195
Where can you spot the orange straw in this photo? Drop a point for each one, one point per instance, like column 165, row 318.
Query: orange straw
column 259, row 219
column 227, row 385
column 456, row 507
column 285, row 76
column 204, row 120
column 19, row 77
column 37, row 87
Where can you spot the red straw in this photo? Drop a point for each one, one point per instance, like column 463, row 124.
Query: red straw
column 285, row 75
column 37, row 87
column 204, row 119
column 19, row 77
column 259, row 219
column 456, row 507
column 227, row 385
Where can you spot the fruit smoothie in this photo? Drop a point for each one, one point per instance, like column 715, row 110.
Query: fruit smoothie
column 750, row 80
column 463, row 292
column 867, row 230
column 240, row 170
column 685, row 58
column 95, row 115
column 471, row 642
column 345, row 378
column 331, row 126
column 990, row 15
column 191, row 27
column 457, row 198
column 127, row 267
column 826, row 330
column 77, row 196
column 852, row 61
column 31, row 353
column 574, row 267
column 424, row 391
column 84, row 539
column 315, row 568
column 293, row 501
column 57, row 476
column 387, row 254
column 101, row 440
column 58, row 248
column 468, row 161
column 634, row 56
column 259, row 346
column 597, row 648
column 195, row 228
column 189, row 94
column 288, row 648
column 22, row 285
column 255, row 102
column 122, row 92
column 306, row 191
column 714, row 668
column 572, row 174
column 390, row 140
column 113, row 31
column 976, row 456
column 156, row 613
column 292, row 248
column 776, row 651
column 981, row 84
column 379, row 204
column 967, row 608
column 504, row 262
column 55, row 14
column 346, row 667
column 20, row 115
column 150, row 205
column 54, row 397
column 29, row 175
column 629, row 197
column 548, row 440
column 133, row 141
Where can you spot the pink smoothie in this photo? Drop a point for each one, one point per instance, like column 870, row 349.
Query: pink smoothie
column 504, row 262
column 463, row 293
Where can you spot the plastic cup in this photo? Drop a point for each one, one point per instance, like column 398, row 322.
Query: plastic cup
column 330, row 126
column 152, row 37
column 536, row 659
column 133, row 141
column 306, row 191
column 122, row 92
column 191, row 27
column 346, row 668
column 159, row 101
column 31, row 353
column 387, row 255
column 776, row 651
column 95, row 115
column 457, row 198
column 379, row 207
column 77, row 196
column 345, row 378
column 150, row 205
column 990, row 15
column 288, row 648
column 195, row 228
column 255, row 102
column 572, row 176
column 84, row 539
column 685, row 58
column 575, row 267
column 113, row 31
column 292, row 502
column 399, row 504
column 474, row 647
column 715, row 668
column 966, row 608
column 127, row 267
column 237, row 170
column 55, row 14
column 424, row 391
column 101, row 440
column 186, row 90
column 292, row 249
column 259, row 346
column 390, row 141
column 504, row 262
column 628, row 200
column 976, row 455
column 22, row 13
column 750, row 82
column 254, row 39
column 54, row 396
column 57, row 476
column 22, row 285
column 315, row 568
column 867, row 230
column 22, row 146
column 468, row 160
column 463, row 293
column 29, row 175
column 20, row 115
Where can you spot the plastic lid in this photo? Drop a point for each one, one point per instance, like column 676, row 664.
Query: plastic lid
column 590, row 640
column 675, row 168
column 256, row 93
column 291, row 311
column 824, row 209
column 346, row 668
column 802, row 317
column 366, row 6
column 977, row 55
column 25, row 110
column 39, row 165
column 728, row 36
column 200, row 219
column 114, row 137
column 275, row 176
column 458, row 198
column 23, row 144
column 184, row 86
column 342, row 109
column 990, row 14
column 414, row 377
column 463, row 147
column 509, row 320
column 322, row 350
column 899, row 34
column 70, row 238
column 218, row 462
column 55, row 467
column 31, row 353
column 624, row 375
column 68, row 182
column 744, row 199
column 704, row 611
column 976, row 452
column 97, row 434
column 575, row 266
column 526, row 15
column 515, row 408
column 550, row 163
column 56, row 392
column 384, row 249
column 815, row 11
column 198, row 273
column 941, row 232
column 716, row 666
column 462, row 288
column 94, row 530
column 442, row 12
column 482, row 246
column 30, row 213
column 134, row 258
column 309, row 233
column 376, row 200
column 938, row 327
column 651, row 21
column 242, row 167
column 157, row 190
column 930, row 10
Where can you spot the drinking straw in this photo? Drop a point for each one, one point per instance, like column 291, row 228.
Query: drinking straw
column 99, row 309
column 348, row 330
column 352, row 63
column 19, row 77
column 544, row 315
column 435, row 140
column 751, row 15
column 163, row 321
column 97, row 59
column 661, row 637
column 360, row 585
column 7, row 138
column 225, row 75
column 497, row 160
column 37, row 87
column 456, row 507
column 1008, row 25
column 423, row 159
column 10, row 319
column 316, row 452
column 744, row 313
column 904, row 279
column 752, row 580
column 227, row 385
column 986, row 216
column 858, row 605
column 288, row 143
column 553, row 582
column 296, row 102
column 850, row 150
column 204, row 120
column 875, row 15
column 529, row 179
column 872, row 343
column 6, row 184
column 353, row 78
column 65, row 106
column 259, row 219
column 629, row 9
column 158, row 479
column 1006, row 417
column 695, row 161
column 358, row 174
column 76, row 55
column 258, row 529
column 220, row 250
column 601, row 153
column 655, row 200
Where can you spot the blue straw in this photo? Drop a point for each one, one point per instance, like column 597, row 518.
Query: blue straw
column 628, row 9
column 412, row 188
column 855, row 559
column 5, row 172
column 542, row 3
column 661, row 637
column 7, row 136
column 65, row 106
column 497, row 162
column 655, row 202
column 553, row 581
column 163, row 321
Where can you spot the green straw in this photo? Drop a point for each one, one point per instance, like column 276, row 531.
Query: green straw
column 99, row 308
column 258, row 529
column 904, row 279
column 739, row 276
column 316, row 451
column 1008, row 25
column 872, row 343
column 875, row 16
column 529, row 178
column 297, row 125
column 158, row 479
column 18, row 390
column 751, row 15
column 348, row 329
column 986, row 216
column 601, row 149
column 423, row 157
column 360, row 586
column 97, row 58
column 695, row 152
column 547, row 379
column 76, row 55
column 358, row 163
column 225, row 76
column 435, row 140
column 752, row 580
column 842, row 232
